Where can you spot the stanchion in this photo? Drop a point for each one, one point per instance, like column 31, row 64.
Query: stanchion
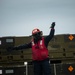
column 54, row 69
column 26, row 64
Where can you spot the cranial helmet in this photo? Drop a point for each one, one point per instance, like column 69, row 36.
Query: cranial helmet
column 35, row 31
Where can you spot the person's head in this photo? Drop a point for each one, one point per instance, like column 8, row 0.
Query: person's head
column 36, row 33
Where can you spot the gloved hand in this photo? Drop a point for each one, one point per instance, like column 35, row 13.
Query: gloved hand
column 52, row 25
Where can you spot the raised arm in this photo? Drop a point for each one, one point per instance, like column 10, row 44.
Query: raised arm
column 51, row 34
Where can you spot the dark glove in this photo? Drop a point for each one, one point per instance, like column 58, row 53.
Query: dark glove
column 52, row 25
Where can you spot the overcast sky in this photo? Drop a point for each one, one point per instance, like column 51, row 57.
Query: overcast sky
column 20, row 17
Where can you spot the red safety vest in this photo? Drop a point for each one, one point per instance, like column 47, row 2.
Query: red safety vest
column 39, row 50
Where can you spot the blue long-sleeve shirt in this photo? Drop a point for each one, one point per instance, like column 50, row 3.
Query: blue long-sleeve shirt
column 29, row 45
